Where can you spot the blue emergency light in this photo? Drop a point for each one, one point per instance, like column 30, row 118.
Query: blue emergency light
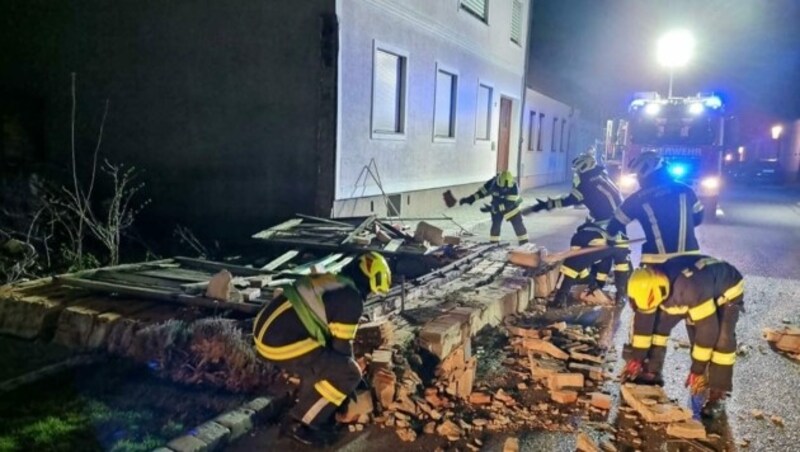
column 677, row 170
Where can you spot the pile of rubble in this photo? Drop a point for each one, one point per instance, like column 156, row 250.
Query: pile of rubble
column 547, row 377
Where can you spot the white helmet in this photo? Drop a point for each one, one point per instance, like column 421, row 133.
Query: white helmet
column 646, row 163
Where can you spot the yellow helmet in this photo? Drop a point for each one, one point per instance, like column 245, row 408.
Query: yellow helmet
column 505, row 179
column 584, row 163
column 648, row 288
column 376, row 269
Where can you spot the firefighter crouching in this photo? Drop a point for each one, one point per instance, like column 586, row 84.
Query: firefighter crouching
column 706, row 292
column 593, row 188
column 505, row 205
column 308, row 330
column 667, row 210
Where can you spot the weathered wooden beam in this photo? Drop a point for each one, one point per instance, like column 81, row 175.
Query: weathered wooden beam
column 280, row 260
column 236, row 270
column 364, row 225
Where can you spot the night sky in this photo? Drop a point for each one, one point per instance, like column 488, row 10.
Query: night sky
column 597, row 53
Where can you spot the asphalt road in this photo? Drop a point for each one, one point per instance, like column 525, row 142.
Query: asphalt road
column 760, row 234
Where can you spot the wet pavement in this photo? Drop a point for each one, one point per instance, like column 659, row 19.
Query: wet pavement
column 760, row 234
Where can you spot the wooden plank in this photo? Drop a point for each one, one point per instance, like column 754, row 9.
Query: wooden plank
column 324, row 220
column 236, row 270
column 393, row 245
column 134, row 279
column 179, row 274
column 306, row 268
column 285, row 226
column 280, row 260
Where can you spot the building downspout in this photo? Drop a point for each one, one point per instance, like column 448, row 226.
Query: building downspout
column 527, row 48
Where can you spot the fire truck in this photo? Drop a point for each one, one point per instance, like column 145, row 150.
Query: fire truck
column 688, row 132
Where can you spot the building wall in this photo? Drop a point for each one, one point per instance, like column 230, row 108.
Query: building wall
column 228, row 108
column 549, row 164
column 790, row 161
column 428, row 34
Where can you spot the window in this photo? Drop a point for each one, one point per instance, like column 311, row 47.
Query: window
column 553, row 136
column 539, row 132
column 516, row 22
column 388, row 93
column 483, row 120
column 561, row 139
column 569, row 136
column 444, row 114
column 532, row 131
column 478, row 8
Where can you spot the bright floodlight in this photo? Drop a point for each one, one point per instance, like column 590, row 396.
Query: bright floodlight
column 652, row 109
column 696, row 108
column 675, row 48
column 777, row 130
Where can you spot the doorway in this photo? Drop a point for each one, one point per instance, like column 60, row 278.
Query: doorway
column 504, row 134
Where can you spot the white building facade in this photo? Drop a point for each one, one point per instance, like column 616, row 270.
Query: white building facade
column 429, row 99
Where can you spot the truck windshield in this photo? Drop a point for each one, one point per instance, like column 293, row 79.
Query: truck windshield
column 673, row 124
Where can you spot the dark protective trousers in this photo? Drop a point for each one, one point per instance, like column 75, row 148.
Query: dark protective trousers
column 327, row 378
column 594, row 267
column 516, row 222
column 720, row 369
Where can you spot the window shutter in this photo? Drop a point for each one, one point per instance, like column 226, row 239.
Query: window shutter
column 516, row 22
column 477, row 7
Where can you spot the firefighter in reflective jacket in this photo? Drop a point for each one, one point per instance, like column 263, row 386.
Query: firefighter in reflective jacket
column 706, row 292
column 505, row 205
column 308, row 330
column 667, row 210
column 593, row 188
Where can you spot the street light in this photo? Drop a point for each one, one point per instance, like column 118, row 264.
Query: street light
column 675, row 49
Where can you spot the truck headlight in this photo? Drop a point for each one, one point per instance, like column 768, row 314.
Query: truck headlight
column 627, row 181
column 710, row 183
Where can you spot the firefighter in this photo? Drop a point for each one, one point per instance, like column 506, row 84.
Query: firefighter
column 308, row 330
column 706, row 292
column 505, row 205
column 593, row 188
column 667, row 210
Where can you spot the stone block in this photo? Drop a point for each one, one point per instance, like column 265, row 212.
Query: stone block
column 239, row 421
column 585, row 444
column 652, row 403
column 545, row 283
column 429, row 233
column 28, row 317
column 355, row 408
column 384, row 384
column 544, row 347
column 212, row 434
column 187, row 443
column 690, row 429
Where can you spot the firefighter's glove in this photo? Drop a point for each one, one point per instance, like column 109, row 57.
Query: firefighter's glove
column 486, row 208
column 468, row 200
column 633, row 368
column 540, row 205
column 696, row 383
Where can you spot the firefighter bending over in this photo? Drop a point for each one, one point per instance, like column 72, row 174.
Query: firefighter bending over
column 706, row 292
column 505, row 205
column 308, row 330
column 667, row 210
column 592, row 187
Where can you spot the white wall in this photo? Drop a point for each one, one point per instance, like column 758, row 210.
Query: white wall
column 429, row 33
column 546, row 166
column 790, row 157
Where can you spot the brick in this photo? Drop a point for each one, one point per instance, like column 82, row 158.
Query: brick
column 384, row 383
column 543, row 369
column 362, row 405
column 543, row 347
column 652, row 403
column 442, row 335
column 239, row 421
column 455, row 361
column 601, row 401
column 212, row 433
column 511, row 445
column 452, row 240
column 586, row 357
column 565, row 380
column 187, row 443
column 524, row 332
column 449, row 429
column 545, row 284
column 261, row 405
column 690, row 429
column 586, row 444
column 480, row 398
column 564, row 397
column 525, row 257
